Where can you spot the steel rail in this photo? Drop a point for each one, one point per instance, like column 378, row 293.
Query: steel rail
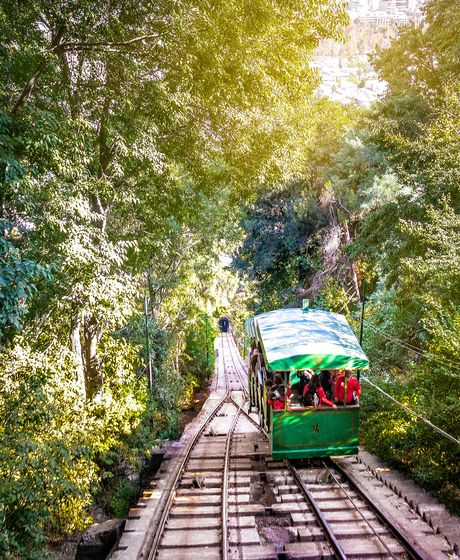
column 241, row 360
column 410, row 547
column 246, row 393
column 224, row 373
column 154, row 543
column 242, row 379
column 358, row 511
column 318, row 513
column 237, row 367
column 215, row 382
column 153, row 547
column 219, row 374
column 261, row 430
column 225, row 485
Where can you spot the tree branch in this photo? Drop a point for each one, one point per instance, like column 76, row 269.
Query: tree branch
column 338, row 201
column 30, row 85
column 82, row 45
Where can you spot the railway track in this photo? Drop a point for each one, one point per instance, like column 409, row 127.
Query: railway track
column 349, row 520
column 200, row 521
column 232, row 367
column 196, row 515
column 229, row 500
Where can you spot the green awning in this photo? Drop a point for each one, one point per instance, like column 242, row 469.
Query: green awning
column 313, row 339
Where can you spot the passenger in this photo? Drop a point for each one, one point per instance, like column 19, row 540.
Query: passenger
column 278, row 393
column 334, row 374
column 347, row 389
column 326, row 382
column 262, row 361
column 252, row 348
column 278, row 383
column 314, row 394
column 303, row 376
column 275, row 399
column 253, row 360
column 268, row 388
column 295, row 378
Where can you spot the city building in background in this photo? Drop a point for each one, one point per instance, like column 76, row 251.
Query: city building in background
column 346, row 73
column 385, row 12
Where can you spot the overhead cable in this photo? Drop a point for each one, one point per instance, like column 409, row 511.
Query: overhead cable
column 418, row 351
column 416, row 414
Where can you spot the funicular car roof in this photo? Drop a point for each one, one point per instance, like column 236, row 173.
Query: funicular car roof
column 312, row 339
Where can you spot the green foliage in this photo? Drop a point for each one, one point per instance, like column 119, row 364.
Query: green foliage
column 297, row 233
column 407, row 443
column 128, row 132
column 382, row 190
column 45, row 462
column 18, row 279
column 58, row 453
column 199, row 348
column 123, row 499
column 334, row 297
column 424, row 58
column 275, row 253
column 410, row 238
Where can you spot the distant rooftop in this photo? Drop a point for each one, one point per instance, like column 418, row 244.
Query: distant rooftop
column 385, row 12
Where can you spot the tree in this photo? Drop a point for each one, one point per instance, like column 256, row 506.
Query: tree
column 149, row 96
column 408, row 236
column 384, row 188
column 129, row 133
column 298, row 236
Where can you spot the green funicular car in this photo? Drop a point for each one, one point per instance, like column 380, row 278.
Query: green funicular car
column 291, row 340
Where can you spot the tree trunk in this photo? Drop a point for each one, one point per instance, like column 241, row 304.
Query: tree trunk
column 30, row 85
column 75, row 342
column 93, row 375
column 73, row 90
column 330, row 251
column 92, row 328
column 352, row 276
column 3, row 215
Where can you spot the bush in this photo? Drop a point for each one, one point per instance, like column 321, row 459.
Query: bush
column 57, row 452
column 123, row 498
column 407, row 443
column 46, row 469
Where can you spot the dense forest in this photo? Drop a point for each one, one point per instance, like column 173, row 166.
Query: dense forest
column 141, row 144
column 375, row 215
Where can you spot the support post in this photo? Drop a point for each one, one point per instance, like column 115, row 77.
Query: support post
column 361, row 328
column 147, row 339
column 207, row 349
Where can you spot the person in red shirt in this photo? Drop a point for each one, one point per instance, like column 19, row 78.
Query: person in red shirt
column 314, row 389
column 278, row 394
column 349, row 385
